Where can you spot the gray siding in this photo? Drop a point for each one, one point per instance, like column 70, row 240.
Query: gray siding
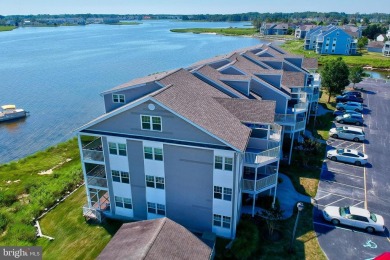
column 137, row 178
column 131, row 94
column 231, row 71
column 173, row 127
column 274, row 80
column 268, row 94
column 240, row 86
column 296, row 61
column 189, row 186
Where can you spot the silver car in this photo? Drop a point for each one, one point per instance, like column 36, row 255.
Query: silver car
column 350, row 106
column 347, row 155
column 346, row 132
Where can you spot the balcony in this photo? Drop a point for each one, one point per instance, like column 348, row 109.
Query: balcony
column 93, row 151
column 96, row 176
column 265, row 182
column 285, row 119
column 262, row 158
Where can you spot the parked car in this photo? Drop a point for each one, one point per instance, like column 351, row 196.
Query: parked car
column 350, row 106
column 350, row 133
column 350, row 119
column 353, row 93
column 355, row 217
column 346, row 98
column 342, row 112
column 348, row 156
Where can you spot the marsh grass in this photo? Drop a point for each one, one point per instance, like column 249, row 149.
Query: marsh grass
column 222, row 31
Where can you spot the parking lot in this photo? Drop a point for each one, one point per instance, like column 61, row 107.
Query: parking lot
column 367, row 187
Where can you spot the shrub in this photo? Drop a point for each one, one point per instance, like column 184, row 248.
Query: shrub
column 3, row 221
column 7, row 197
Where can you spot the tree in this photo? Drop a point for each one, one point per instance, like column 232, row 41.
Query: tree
column 334, row 76
column 363, row 41
column 272, row 217
column 356, row 75
column 344, row 21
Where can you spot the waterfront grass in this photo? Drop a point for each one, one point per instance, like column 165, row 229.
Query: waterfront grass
column 74, row 238
column 4, row 28
column 125, row 23
column 24, row 194
column 223, row 31
column 364, row 58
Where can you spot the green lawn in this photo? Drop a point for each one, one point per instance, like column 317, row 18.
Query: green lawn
column 223, row 31
column 6, row 28
column 73, row 237
column 365, row 58
column 24, row 193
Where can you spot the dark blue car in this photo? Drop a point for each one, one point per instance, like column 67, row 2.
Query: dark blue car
column 352, row 93
column 346, row 98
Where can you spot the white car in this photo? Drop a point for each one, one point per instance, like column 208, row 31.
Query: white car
column 356, row 217
column 346, row 132
column 347, row 155
column 355, row 106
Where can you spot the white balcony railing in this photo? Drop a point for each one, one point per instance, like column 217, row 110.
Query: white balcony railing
column 261, row 184
column 262, row 157
column 283, row 119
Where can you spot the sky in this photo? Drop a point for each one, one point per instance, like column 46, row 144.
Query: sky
column 23, row 7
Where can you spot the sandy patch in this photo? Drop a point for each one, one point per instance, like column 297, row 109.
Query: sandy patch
column 50, row 171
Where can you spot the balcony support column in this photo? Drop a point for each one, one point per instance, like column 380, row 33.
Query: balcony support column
column 276, row 184
column 254, row 194
column 291, row 146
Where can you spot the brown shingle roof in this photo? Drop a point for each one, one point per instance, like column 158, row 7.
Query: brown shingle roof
column 250, row 110
column 293, row 79
column 376, row 44
column 310, row 63
column 138, row 81
column 194, row 99
column 154, row 240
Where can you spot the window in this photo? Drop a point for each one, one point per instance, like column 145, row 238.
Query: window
column 227, row 194
column 125, row 177
column 112, row 148
column 155, row 182
column 123, row 203
column 150, row 181
column 118, row 98
column 228, row 164
column 122, row 149
column 152, row 208
column 160, row 183
column 161, row 209
column 217, row 192
column 117, row 149
column 153, row 153
column 127, row 203
column 151, row 123
column 223, row 163
column 118, row 202
column 116, row 176
column 217, row 220
column 148, row 153
column 158, row 154
column 226, row 222
column 218, row 162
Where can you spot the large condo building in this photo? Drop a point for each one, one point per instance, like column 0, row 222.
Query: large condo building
column 192, row 144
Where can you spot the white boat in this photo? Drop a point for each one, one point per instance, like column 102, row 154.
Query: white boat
column 10, row 112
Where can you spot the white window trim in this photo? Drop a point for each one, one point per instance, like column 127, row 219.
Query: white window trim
column 224, row 163
column 118, row 97
column 151, row 123
column 154, row 153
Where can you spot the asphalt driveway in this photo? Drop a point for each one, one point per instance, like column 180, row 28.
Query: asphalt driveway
column 366, row 187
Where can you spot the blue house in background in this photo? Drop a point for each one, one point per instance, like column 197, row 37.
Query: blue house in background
column 274, row 29
column 330, row 40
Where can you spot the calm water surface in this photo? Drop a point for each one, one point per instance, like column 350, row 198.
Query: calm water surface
column 57, row 74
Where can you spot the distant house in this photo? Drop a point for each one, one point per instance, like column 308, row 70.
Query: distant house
column 330, row 40
column 274, row 29
column 381, row 38
column 354, row 31
column 156, row 239
column 388, row 33
column 375, row 46
column 300, row 31
column 386, row 49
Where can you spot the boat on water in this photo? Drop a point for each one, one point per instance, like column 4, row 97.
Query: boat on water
column 10, row 112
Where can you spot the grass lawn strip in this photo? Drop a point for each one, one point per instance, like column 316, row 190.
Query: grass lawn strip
column 222, row 31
